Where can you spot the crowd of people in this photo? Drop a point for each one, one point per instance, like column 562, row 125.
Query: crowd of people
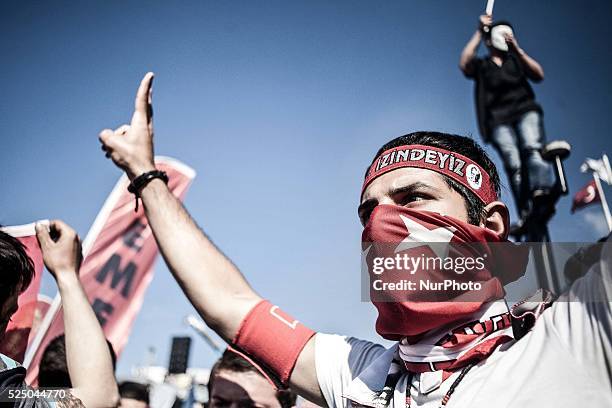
column 445, row 353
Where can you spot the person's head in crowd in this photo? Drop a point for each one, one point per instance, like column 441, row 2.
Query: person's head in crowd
column 53, row 370
column 16, row 273
column 236, row 383
column 423, row 189
column 133, row 394
column 495, row 37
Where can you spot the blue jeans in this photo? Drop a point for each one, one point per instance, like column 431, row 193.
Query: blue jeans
column 519, row 146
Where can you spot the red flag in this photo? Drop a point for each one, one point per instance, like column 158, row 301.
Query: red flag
column 119, row 253
column 586, row 196
column 15, row 340
column 43, row 303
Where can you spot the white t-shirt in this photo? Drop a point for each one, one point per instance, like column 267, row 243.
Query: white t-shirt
column 564, row 361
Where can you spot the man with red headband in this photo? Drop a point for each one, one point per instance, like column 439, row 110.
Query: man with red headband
column 463, row 347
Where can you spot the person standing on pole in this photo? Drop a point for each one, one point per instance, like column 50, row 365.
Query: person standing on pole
column 509, row 116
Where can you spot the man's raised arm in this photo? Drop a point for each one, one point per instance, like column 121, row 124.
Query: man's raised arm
column 470, row 49
column 89, row 360
column 213, row 284
column 533, row 69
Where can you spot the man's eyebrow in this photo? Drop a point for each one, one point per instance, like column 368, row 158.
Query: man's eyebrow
column 411, row 188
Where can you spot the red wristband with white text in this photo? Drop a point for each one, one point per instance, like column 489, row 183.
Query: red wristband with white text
column 272, row 340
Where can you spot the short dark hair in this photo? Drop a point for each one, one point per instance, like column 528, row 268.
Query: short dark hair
column 134, row 390
column 16, row 267
column 53, row 369
column 458, row 144
column 234, row 362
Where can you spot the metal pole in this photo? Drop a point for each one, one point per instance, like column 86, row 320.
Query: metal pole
column 199, row 326
column 604, row 202
column 563, row 189
column 546, row 270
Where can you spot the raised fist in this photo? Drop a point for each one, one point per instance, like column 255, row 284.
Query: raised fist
column 485, row 20
column 61, row 249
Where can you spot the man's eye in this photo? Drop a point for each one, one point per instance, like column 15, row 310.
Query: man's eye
column 219, row 403
column 412, row 198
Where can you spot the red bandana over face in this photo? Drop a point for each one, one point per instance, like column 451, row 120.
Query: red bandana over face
column 415, row 246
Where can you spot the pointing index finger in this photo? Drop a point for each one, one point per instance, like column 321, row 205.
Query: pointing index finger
column 143, row 95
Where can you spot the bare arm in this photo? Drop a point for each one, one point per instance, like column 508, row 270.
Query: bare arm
column 470, row 49
column 469, row 52
column 533, row 69
column 213, row 284
column 89, row 361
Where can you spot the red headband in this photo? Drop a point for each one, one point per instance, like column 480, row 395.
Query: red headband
column 456, row 166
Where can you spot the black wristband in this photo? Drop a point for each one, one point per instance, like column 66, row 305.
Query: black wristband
column 136, row 186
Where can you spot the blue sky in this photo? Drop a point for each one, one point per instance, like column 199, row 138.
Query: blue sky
column 279, row 107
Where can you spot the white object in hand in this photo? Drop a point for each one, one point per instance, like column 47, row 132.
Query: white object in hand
column 489, row 9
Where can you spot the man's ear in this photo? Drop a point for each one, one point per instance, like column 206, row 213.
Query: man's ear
column 497, row 219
